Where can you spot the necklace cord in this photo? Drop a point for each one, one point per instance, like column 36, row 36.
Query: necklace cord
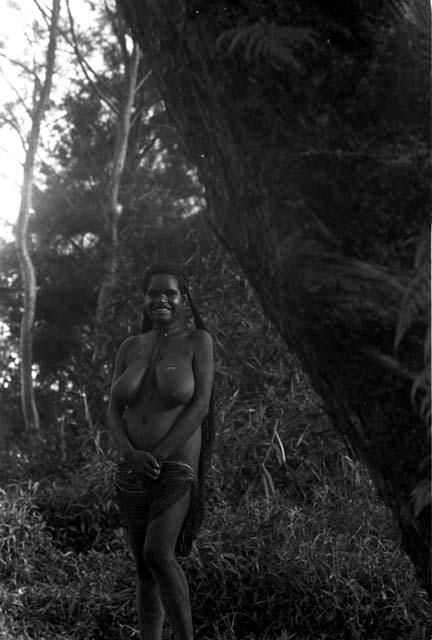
column 156, row 358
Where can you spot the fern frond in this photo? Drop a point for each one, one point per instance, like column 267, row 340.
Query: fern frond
column 267, row 41
column 421, row 496
column 416, row 299
column 421, row 388
column 421, row 385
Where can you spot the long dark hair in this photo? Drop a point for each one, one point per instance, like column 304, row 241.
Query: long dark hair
column 195, row 515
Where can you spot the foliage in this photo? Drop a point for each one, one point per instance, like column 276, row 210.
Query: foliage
column 296, row 543
column 81, row 515
column 267, row 41
column 316, row 176
column 47, row 592
column 267, row 564
column 414, row 306
column 311, row 554
column 284, row 567
column 69, row 236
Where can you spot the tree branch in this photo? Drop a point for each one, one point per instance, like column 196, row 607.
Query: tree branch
column 14, row 124
column 143, row 80
column 119, row 33
column 44, row 13
column 22, row 66
column 148, row 146
column 18, row 95
column 85, row 67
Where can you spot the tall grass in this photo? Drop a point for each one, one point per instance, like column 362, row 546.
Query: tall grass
column 296, row 544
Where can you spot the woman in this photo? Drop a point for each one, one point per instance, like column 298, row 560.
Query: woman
column 160, row 418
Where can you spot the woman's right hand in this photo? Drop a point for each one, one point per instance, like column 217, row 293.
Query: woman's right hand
column 144, row 465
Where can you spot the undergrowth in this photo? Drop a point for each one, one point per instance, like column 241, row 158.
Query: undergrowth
column 261, row 567
column 296, row 545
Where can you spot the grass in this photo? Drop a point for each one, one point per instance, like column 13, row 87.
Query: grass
column 296, row 544
column 314, row 557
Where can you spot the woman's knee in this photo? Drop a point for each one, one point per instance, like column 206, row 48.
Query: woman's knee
column 158, row 557
column 144, row 571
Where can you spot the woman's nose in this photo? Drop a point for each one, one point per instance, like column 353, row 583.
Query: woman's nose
column 161, row 299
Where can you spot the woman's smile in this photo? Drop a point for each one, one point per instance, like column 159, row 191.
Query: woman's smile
column 161, row 307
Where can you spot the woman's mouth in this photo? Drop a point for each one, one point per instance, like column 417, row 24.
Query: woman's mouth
column 160, row 308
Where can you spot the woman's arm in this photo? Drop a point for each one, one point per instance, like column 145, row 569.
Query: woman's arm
column 195, row 412
column 116, row 407
column 127, row 386
column 142, row 462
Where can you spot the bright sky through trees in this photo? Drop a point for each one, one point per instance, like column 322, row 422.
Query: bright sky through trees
column 23, row 41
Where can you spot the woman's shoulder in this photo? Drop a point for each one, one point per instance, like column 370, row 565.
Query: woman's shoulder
column 201, row 339
column 131, row 343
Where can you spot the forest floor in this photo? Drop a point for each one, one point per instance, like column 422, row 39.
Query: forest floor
column 296, row 545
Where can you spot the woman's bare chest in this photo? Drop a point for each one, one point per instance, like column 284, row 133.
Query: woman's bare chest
column 168, row 373
column 173, row 376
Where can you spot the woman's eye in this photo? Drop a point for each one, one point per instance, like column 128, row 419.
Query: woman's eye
column 157, row 294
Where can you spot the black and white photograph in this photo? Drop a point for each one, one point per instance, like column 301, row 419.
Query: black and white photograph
column 215, row 320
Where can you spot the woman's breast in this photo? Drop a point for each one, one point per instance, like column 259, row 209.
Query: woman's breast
column 175, row 383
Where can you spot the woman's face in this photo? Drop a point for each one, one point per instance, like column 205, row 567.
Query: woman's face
column 163, row 299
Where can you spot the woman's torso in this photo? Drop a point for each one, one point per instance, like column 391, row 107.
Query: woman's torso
column 163, row 394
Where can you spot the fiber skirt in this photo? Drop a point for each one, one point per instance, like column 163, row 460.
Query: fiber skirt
column 141, row 501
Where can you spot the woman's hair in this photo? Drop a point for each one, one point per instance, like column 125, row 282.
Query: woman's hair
column 195, row 515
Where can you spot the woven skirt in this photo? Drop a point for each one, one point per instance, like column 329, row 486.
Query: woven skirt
column 141, row 501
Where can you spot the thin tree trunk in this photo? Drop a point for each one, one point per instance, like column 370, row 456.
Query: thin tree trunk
column 114, row 207
column 29, row 408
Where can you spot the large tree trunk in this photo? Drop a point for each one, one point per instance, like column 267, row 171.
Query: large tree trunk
column 30, row 413
column 335, row 304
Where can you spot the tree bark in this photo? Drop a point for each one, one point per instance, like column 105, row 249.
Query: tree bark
column 29, row 408
column 335, row 309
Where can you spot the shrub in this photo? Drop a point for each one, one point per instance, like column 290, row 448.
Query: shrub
column 265, row 566
column 52, row 594
column 261, row 567
column 80, row 509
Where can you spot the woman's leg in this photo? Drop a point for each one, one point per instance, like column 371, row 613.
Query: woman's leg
column 159, row 554
column 148, row 603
